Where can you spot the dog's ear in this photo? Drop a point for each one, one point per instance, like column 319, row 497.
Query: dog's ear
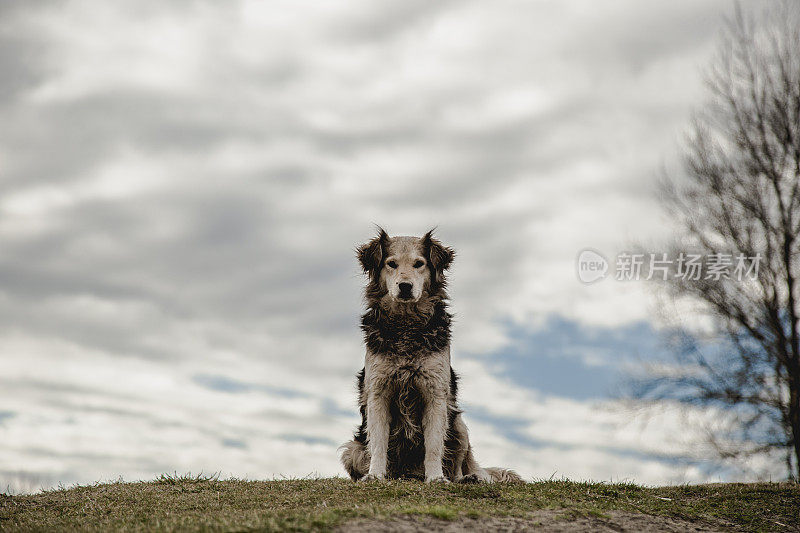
column 371, row 254
column 439, row 256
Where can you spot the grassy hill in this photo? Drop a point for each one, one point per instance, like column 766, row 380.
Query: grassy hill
column 202, row 503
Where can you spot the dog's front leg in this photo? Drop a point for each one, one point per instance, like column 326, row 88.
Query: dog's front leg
column 434, row 427
column 378, row 420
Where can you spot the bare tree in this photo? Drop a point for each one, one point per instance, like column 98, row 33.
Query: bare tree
column 741, row 195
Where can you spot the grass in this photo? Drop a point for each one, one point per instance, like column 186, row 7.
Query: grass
column 207, row 503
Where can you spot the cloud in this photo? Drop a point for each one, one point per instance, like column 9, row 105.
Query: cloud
column 183, row 185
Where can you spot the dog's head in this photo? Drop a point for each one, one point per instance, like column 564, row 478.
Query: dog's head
column 405, row 268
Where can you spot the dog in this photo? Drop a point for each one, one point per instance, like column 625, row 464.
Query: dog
column 411, row 425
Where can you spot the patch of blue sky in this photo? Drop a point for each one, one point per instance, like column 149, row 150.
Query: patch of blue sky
column 513, row 429
column 565, row 358
column 307, row 439
column 234, row 443
column 225, row 384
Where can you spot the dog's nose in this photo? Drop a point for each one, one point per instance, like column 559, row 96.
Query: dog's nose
column 405, row 290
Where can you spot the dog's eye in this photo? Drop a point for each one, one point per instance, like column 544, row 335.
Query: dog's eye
column 391, row 264
column 419, row 264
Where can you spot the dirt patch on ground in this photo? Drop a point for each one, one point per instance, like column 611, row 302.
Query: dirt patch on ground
column 557, row 521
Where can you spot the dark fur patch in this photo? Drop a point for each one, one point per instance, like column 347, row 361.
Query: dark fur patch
column 409, row 334
column 361, row 431
column 406, row 441
column 371, row 255
column 452, row 441
column 439, row 258
column 452, row 404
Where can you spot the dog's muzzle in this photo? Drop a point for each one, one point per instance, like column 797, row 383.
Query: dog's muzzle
column 405, row 291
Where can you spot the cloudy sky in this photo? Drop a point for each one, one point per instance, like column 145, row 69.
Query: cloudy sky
column 182, row 186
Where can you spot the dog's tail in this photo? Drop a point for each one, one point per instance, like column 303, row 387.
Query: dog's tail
column 503, row 475
column 355, row 459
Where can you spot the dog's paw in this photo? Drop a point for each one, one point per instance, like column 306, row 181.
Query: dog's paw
column 438, row 479
column 470, row 478
column 370, row 477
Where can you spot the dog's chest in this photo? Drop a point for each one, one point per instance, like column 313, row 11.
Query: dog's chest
column 410, row 374
column 400, row 373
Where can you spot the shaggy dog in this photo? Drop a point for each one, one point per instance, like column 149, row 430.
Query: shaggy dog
column 411, row 425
